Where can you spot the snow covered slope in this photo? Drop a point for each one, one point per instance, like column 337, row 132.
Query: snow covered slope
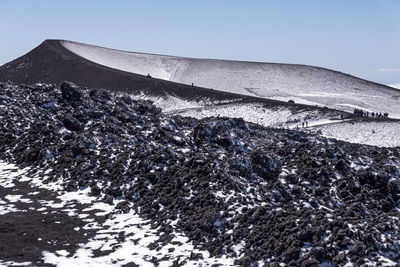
column 377, row 132
column 395, row 85
column 301, row 83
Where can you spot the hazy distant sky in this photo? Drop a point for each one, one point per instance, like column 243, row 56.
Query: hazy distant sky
column 360, row 37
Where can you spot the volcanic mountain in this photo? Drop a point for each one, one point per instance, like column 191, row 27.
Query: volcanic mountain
column 98, row 177
column 86, row 65
column 257, row 92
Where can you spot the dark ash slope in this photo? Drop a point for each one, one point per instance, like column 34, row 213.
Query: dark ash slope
column 285, row 196
column 50, row 62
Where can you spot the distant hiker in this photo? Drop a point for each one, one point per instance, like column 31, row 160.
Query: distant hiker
column 148, row 75
column 302, row 124
column 367, row 114
column 359, row 112
column 306, row 123
column 386, row 114
column 373, row 114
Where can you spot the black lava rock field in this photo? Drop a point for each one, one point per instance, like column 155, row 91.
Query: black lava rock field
column 257, row 195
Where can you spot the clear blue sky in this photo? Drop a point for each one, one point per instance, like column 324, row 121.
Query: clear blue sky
column 360, row 37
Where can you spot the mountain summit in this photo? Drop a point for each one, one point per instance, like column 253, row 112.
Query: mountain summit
column 94, row 66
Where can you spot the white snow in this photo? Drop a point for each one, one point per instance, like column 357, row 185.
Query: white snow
column 12, row 263
column 395, row 85
column 134, row 249
column 7, row 208
column 17, row 198
column 301, row 83
column 376, row 133
column 8, row 173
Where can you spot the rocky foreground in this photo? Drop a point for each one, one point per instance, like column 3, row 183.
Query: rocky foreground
column 238, row 190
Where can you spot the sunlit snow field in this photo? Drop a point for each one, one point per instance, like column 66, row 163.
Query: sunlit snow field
column 377, row 133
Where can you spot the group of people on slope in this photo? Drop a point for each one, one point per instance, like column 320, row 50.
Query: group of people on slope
column 363, row 113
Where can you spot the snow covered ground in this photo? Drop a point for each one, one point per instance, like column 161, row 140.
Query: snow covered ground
column 138, row 233
column 301, row 83
column 395, row 85
column 378, row 133
column 386, row 134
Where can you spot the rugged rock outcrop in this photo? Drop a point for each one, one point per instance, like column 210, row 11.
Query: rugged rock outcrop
column 234, row 188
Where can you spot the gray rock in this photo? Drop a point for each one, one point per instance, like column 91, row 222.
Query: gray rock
column 71, row 91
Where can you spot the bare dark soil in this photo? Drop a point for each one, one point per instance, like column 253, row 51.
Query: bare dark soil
column 27, row 233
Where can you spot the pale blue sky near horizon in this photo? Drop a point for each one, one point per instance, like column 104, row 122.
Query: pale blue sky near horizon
column 359, row 37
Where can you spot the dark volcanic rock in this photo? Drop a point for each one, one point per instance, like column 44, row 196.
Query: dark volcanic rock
column 233, row 188
column 72, row 124
column 265, row 165
column 71, row 91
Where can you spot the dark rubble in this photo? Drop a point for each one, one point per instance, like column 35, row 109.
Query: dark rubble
column 234, row 188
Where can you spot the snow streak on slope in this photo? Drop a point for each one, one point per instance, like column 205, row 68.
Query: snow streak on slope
column 396, row 85
column 304, row 84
